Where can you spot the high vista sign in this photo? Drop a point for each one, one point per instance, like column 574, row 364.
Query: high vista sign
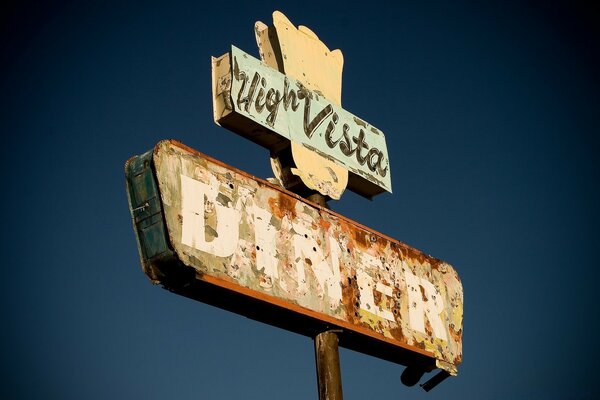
column 204, row 227
column 248, row 93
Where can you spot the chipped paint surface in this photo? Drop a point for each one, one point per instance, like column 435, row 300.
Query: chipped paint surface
column 246, row 92
column 235, row 228
column 298, row 53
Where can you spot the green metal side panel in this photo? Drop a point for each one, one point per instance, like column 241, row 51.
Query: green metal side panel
column 147, row 214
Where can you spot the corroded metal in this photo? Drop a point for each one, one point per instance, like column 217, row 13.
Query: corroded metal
column 252, row 238
column 329, row 375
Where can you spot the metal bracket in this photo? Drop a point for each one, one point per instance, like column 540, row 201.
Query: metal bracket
column 435, row 380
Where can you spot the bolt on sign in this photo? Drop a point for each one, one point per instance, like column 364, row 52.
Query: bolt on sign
column 210, row 232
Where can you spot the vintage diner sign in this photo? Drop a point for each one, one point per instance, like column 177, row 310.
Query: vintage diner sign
column 268, row 107
column 242, row 235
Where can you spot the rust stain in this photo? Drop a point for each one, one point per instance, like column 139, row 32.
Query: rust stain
column 378, row 296
column 283, row 205
column 350, row 295
column 398, row 334
column 419, row 344
column 361, row 240
column 428, row 329
column 456, row 335
column 423, row 294
column 311, row 259
column 325, row 225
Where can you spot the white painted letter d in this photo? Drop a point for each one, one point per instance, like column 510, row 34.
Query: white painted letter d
column 194, row 194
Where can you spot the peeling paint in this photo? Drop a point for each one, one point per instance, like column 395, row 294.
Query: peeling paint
column 236, row 228
column 259, row 96
column 306, row 58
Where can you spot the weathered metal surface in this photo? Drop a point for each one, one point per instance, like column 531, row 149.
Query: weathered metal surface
column 249, row 237
column 146, row 211
column 329, row 374
column 266, row 106
column 298, row 53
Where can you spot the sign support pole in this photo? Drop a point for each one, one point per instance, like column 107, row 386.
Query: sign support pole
column 327, row 354
column 329, row 377
column 319, row 199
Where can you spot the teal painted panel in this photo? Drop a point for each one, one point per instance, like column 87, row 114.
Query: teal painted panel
column 284, row 106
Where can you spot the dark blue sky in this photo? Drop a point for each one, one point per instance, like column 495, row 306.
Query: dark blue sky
column 491, row 114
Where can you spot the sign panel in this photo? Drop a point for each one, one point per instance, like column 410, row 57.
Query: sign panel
column 246, row 90
column 243, row 234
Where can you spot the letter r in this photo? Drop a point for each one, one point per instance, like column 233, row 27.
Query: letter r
column 418, row 307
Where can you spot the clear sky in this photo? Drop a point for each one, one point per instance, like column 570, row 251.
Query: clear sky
column 491, row 115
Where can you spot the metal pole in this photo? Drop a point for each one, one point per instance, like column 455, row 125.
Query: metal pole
column 329, row 377
column 319, row 199
column 327, row 355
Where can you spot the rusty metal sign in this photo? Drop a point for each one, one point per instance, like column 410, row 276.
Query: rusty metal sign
column 266, row 106
column 203, row 226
